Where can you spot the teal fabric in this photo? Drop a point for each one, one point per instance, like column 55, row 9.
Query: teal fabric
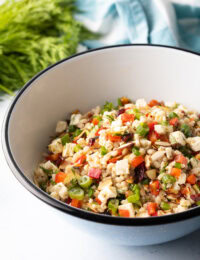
column 142, row 21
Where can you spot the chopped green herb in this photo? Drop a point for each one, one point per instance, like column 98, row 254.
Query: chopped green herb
column 47, row 171
column 90, row 192
column 145, row 181
column 110, row 118
column 43, row 186
column 173, row 115
column 103, row 150
column 186, row 130
column 142, row 129
column 107, row 107
column 119, row 102
column 65, row 139
column 177, row 165
column 135, row 150
column 77, row 132
column 72, row 128
column 185, row 151
column 166, row 179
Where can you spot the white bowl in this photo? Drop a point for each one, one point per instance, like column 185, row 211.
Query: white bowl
column 84, row 81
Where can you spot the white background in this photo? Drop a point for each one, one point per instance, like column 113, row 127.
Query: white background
column 30, row 229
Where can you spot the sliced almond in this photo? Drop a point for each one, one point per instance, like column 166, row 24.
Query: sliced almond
column 160, row 143
column 125, row 146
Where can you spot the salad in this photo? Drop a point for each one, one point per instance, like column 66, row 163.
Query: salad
column 136, row 159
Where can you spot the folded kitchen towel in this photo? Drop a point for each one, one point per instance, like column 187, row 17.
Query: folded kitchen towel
column 166, row 22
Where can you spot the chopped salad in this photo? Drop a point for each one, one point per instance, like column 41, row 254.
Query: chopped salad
column 136, row 159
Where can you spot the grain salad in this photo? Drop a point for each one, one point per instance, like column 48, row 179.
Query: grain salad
column 136, row 159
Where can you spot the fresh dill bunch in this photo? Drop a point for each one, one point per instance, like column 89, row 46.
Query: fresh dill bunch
column 33, row 35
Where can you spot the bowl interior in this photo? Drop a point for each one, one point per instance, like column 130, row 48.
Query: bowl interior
column 90, row 79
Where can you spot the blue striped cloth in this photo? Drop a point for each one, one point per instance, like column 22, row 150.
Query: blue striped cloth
column 167, row 22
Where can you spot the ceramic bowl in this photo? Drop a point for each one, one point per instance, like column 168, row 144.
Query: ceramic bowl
column 84, row 81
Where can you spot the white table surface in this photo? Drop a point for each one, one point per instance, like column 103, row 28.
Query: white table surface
column 28, row 230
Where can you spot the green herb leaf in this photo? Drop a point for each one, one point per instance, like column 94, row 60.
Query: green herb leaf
column 103, row 150
column 65, row 139
column 142, row 129
column 173, row 115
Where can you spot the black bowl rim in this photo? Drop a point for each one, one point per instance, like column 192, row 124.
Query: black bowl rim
column 83, row 214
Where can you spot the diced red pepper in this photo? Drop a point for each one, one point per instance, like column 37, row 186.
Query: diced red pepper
column 191, row 179
column 124, row 213
column 173, row 121
column 154, row 187
column 98, row 201
column 113, row 160
column 80, row 160
column 76, row 203
column 97, row 132
column 114, row 138
column 127, row 118
column 94, row 173
column 60, row 177
column 95, row 121
column 137, row 161
column 175, row 172
column 151, row 125
column 181, row 159
column 152, row 208
column 185, row 191
column 153, row 136
column 153, row 103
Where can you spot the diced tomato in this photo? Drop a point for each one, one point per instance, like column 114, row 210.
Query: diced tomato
column 94, row 173
column 76, row 203
column 185, row 190
column 114, row 138
column 154, row 187
column 81, row 160
column 175, row 172
column 153, row 103
column 137, row 161
column 53, row 157
column 151, row 125
column 97, row 132
column 60, row 177
column 173, row 121
column 113, row 160
column 127, row 118
column 153, row 136
column 98, row 201
column 181, row 159
column 124, row 213
column 152, row 208
column 191, row 179
column 95, row 121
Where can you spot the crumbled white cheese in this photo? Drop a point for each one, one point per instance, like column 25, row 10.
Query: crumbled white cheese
column 59, row 190
column 107, row 193
column 140, row 103
column 177, row 137
column 160, row 129
column 194, row 143
column 75, row 119
column 68, row 149
column 122, row 167
column 61, row 126
column 56, row 146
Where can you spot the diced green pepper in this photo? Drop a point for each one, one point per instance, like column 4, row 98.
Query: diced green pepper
column 166, row 179
column 76, row 193
column 65, row 139
column 135, row 150
column 164, row 205
column 85, row 181
column 186, row 130
column 90, row 192
column 103, row 150
column 173, row 115
column 135, row 198
column 113, row 206
column 142, row 129
column 77, row 148
column 177, row 165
